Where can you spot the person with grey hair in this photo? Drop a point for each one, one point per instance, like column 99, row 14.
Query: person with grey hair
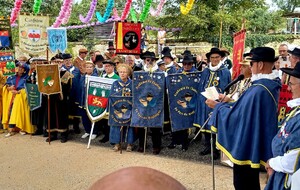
column 284, row 58
column 130, row 60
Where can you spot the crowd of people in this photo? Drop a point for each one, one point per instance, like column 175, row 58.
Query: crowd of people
column 245, row 120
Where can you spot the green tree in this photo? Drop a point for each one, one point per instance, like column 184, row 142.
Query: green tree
column 288, row 6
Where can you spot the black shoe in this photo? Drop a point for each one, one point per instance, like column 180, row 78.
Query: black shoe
column 104, row 139
column 205, row 151
column 52, row 138
column 184, row 147
column 37, row 132
column 156, row 151
column 216, row 155
column 172, row 145
column 140, row 149
column 63, row 140
column 77, row 131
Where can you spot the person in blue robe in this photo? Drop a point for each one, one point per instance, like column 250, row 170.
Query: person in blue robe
column 168, row 59
column 86, row 122
column 181, row 137
column 286, row 143
column 122, row 87
column 245, row 128
column 72, row 95
column 217, row 75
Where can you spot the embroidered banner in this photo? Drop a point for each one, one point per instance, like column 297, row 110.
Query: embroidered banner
column 98, row 90
column 48, row 79
column 34, row 97
column 148, row 99
column 128, row 37
column 120, row 108
column 182, row 94
column 7, row 63
column 33, row 34
column 239, row 39
column 5, row 34
column 57, row 38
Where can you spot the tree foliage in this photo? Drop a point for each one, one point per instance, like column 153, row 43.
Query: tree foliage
column 288, row 6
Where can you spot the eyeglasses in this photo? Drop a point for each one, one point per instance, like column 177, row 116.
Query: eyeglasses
column 147, row 60
column 117, row 62
column 215, row 57
column 292, row 84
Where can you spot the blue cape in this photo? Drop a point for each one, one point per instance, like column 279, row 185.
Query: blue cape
column 287, row 139
column 220, row 79
column 246, row 127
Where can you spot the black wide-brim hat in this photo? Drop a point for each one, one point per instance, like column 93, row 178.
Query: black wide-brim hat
column 295, row 51
column 99, row 58
column 166, row 52
column 263, row 54
column 188, row 59
column 295, row 72
column 215, row 50
column 66, row 56
column 108, row 61
column 149, row 54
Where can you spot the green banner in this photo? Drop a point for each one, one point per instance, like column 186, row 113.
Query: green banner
column 33, row 96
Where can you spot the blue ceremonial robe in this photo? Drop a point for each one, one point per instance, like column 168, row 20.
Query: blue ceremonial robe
column 119, row 88
column 287, row 139
column 220, row 79
column 246, row 127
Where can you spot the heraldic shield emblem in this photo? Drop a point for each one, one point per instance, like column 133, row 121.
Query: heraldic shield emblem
column 98, row 90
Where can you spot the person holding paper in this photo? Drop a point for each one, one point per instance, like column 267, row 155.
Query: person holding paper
column 246, row 127
column 215, row 75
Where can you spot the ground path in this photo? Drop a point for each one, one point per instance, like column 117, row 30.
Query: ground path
column 29, row 163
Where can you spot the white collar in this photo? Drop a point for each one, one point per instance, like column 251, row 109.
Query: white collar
column 214, row 68
column 110, row 75
column 258, row 76
column 293, row 103
column 152, row 69
column 170, row 64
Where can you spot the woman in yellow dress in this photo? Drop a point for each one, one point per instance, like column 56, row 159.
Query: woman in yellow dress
column 16, row 112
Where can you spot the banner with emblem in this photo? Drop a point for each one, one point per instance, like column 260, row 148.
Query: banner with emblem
column 97, row 90
column 33, row 34
column 239, row 39
column 148, row 99
column 182, row 94
column 57, row 38
column 34, row 97
column 120, row 108
column 7, row 63
column 5, row 34
column 128, row 37
column 48, row 79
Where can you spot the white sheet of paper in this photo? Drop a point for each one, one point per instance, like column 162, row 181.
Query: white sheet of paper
column 211, row 93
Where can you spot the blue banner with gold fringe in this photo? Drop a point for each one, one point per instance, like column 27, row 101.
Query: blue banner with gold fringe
column 182, row 95
column 148, row 99
column 57, row 38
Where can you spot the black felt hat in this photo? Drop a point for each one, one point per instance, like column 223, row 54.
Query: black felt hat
column 166, row 52
column 187, row 57
column 295, row 51
column 263, row 54
column 215, row 50
column 108, row 61
column 295, row 72
column 99, row 58
column 149, row 54
column 66, row 56
column 111, row 46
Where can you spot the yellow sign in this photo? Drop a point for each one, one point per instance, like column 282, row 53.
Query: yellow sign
column 33, row 34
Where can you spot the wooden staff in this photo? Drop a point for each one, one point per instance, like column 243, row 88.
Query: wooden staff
column 121, row 133
column 91, row 133
column 49, row 136
column 145, row 140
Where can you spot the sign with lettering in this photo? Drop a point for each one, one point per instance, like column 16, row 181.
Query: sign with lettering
column 33, row 34
column 128, row 38
column 34, row 97
column 5, row 34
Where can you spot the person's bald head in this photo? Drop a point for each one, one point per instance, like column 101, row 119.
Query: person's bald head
column 137, row 178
